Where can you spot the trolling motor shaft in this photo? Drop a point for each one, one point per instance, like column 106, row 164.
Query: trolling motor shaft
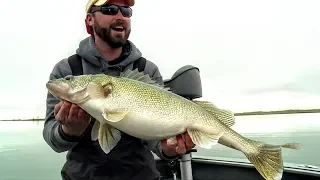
column 185, row 163
column 185, row 82
column 186, row 166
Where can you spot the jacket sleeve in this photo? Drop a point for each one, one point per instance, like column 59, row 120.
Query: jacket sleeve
column 52, row 131
column 155, row 146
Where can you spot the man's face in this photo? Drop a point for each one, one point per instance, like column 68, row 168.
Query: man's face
column 113, row 29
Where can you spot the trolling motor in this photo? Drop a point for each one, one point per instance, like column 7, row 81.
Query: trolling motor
column 185, row 82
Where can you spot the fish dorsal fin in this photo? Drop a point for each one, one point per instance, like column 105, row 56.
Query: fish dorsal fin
column 223, row 115
column 140, row 76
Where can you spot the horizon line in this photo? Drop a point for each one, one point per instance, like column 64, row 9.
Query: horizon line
column 245, row 113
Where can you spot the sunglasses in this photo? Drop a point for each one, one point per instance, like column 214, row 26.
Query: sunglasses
column 112, row 10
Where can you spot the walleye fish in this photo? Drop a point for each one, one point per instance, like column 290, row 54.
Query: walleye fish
column 133, row 103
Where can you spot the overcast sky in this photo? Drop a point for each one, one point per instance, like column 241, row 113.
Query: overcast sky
column 253, row 55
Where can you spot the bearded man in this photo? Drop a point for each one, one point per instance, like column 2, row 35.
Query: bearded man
column 68, row 128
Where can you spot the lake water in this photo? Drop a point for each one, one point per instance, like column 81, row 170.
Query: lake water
column 25, row 155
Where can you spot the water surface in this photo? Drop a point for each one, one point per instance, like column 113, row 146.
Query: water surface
column 25, row 155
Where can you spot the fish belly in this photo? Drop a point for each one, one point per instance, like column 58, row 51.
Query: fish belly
column 150, row 128
column 145, row 123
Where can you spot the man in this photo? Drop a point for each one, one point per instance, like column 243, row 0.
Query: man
column 68, row 128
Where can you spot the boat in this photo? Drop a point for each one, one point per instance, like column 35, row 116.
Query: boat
column 211, row 168
column 186, row 82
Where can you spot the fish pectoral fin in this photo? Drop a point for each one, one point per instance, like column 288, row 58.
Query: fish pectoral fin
column 108, row 137
column 97, row 91
column 204, row 140
column 223, row 115
column 95, row 130
column 114, row 116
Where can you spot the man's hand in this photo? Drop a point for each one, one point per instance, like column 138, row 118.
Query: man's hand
column 183, row 144
column 74, row 120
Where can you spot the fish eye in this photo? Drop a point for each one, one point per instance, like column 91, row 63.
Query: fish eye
column 69, row 77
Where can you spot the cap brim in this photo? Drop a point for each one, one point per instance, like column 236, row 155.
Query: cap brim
column 100, row 2
column 103, row 2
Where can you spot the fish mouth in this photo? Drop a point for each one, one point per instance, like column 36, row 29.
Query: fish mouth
column 61, row 91
column 58, row 89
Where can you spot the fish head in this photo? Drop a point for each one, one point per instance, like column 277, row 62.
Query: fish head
column 75, row 89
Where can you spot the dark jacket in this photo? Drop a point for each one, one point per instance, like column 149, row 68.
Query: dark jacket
column 131, row 158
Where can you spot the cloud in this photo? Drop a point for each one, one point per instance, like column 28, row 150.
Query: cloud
column 251, row 54
column 304, row 82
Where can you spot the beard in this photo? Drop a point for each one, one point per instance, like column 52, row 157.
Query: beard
column 114, row 40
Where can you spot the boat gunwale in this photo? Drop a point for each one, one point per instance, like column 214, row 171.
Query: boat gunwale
column 288, row 167
column 237, row 162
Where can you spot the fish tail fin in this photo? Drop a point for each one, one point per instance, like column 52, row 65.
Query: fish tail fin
column 294, row 146
column 267, row 159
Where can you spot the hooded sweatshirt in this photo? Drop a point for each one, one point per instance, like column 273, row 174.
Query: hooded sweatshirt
column 131, row 158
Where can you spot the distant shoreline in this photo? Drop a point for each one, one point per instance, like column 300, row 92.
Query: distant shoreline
column 289, row 111
column 249, row 113
column 23, row 120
